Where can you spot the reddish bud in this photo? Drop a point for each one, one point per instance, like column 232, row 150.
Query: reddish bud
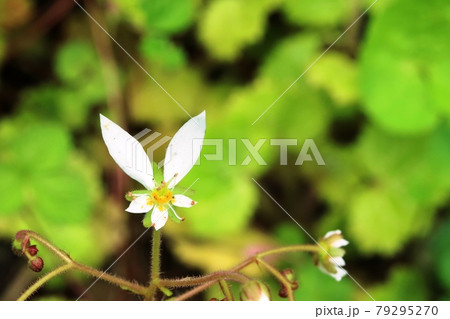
column 283, row 292
column 20, row 235
column 36, row 264
column 32, row 250
column 289, row 275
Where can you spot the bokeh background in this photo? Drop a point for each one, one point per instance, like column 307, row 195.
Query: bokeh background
column 376, row 105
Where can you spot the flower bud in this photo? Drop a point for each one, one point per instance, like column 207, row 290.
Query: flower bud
column 283, row 292
column 36, row 264
column 32, row 250
column 21, row 243
column 290, row 276
column 255, row 291
column 20, row 235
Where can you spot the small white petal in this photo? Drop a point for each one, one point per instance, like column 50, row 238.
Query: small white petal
column 340, row 272
column 139, row 205
column 183, row 201
column 340, row 243
column 159, row 217
column 331, row 233
column 184, row 149
column 127, row 152
column 338, row 261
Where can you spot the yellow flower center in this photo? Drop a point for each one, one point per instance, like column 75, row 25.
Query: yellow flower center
column 161, row 196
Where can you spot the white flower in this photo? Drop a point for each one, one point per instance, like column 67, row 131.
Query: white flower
column 133, row 160
column 329, row 258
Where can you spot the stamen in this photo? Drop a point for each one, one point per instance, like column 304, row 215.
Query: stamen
column 175, row 213
column 170, row 180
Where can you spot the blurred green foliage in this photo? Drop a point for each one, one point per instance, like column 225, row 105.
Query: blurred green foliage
column 376, row 105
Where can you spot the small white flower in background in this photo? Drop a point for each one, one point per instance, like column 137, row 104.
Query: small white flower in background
column 158, row 199
column 329, row 258
column 255, row 290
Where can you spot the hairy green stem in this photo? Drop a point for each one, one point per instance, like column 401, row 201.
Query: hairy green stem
column 156, row 282
column 41, row 281
column 155, row 266
column 226, row 290
column 194, row 291
column 112, row 279
column 71, row 264
column 280, row 277
column 287, row 249
column 57, row 252
column 156, row 253
column 194, row 281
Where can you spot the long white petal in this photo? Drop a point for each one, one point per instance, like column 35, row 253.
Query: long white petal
column 127, row 152
column 139, row 205
column 184, row 149
column 183, row 201
column 159, row 217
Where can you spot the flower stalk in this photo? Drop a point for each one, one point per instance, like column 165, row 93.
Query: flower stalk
column 156, row 283
column 226, row 290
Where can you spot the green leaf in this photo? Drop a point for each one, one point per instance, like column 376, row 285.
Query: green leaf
column 61, row 198
column 417, row 167
column 289, row 234
column 162, row 50
column 11, row 190
column 439, row 244
column 145, row 92
column 223, row 208
column 41, row 147
column 168, row 16
column 289, row 59
column 317, row 12
column 301, row 114
column 59, row 103
column 78, row 65
column 227, row 26
column 380, row 221
column 337, row 74
column 315, row 285
column 402, row 284
column 158, row 16
column 404, row 65
column 74, row 61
